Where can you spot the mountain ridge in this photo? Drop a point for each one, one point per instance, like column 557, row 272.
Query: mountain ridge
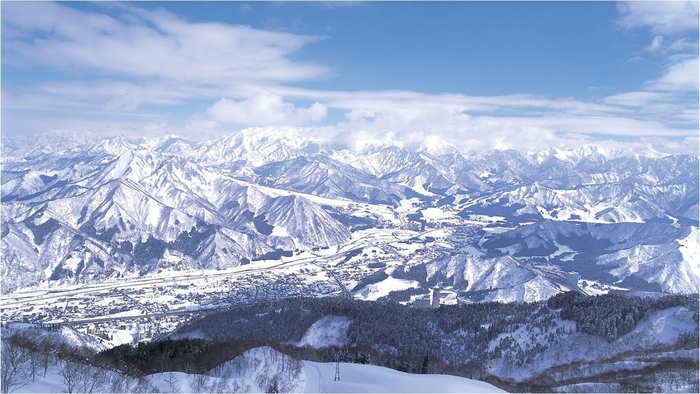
column 221, row 203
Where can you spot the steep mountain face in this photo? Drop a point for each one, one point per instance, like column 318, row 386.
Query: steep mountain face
column 321, row 176
column 490, row 279
column 587, row 186
column 91, row 214
column 650, row 256
column 79, row 209
column 255, row 147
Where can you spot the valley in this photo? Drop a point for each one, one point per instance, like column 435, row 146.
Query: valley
column 158, row 302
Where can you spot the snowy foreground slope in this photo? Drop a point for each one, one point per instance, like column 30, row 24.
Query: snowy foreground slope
column 357, row 378
column 254, row 371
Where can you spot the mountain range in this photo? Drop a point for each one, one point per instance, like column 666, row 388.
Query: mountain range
column 85, row 210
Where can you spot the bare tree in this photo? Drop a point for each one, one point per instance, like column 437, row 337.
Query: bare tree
column 221, row 386
column 70, row 372
column 143, row 386
column 14, row 374
column 200, row 383
column 117, row 383
column 227, row 385
column 293, row 368
column 172, row 381
column 45, row 361
column 273, row 385
column 82, row 378
column 91, row 379
column 34, row 361
column 211, row 388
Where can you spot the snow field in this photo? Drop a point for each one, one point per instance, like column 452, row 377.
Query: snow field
column 327, row 331
column 358, row 378
column 374, row 291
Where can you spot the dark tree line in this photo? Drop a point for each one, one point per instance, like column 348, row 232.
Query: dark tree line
column 458, row 334
column 613, row 315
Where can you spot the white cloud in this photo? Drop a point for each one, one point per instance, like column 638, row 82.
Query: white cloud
column 656, row 44
column 679, row 76
column 531, row 130
column 150, row 44
column 152, row 126
column 105, row 96
column 458, row 103
column 265, row 108
column 662, row 17
column 638, row 99
column 668, row 98
column 682, row 45
column 514, row 132
column 512, row 121
column 677, row 107
column 663, row 46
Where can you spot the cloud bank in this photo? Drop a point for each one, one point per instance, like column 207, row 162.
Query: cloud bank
column 265, row 109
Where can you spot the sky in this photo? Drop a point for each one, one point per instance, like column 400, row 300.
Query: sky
column 477, row 75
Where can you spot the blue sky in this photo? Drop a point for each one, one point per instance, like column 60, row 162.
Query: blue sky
column 523, row 75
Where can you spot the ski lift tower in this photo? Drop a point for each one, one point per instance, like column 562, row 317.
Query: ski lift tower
column 336, row 355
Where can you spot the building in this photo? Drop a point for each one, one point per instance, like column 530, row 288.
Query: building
column 435, row 297
column 572, row 278
column 421, row 303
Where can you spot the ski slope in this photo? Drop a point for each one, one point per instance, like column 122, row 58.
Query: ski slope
column 361, row 378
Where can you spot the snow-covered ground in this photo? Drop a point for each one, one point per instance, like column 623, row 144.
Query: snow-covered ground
column 381, row 289
column 327, row 331
column 660, row 328
column 358, row 378
column 259, row 369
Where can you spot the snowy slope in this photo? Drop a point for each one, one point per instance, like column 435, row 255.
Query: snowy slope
column 254, row 370
column 504, row 278
column 327, row 331
column 661, row 328
column 359, row 378
column 380, row 289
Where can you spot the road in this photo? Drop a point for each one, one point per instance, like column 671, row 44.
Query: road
column 102, row 319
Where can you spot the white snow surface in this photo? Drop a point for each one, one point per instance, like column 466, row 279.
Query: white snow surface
column 327, row 331
column 359, row 378
column 435, row 214
column 253, row 371
column 375, row 291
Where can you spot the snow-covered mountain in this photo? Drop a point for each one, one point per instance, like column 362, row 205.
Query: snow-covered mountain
column 77, row 208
